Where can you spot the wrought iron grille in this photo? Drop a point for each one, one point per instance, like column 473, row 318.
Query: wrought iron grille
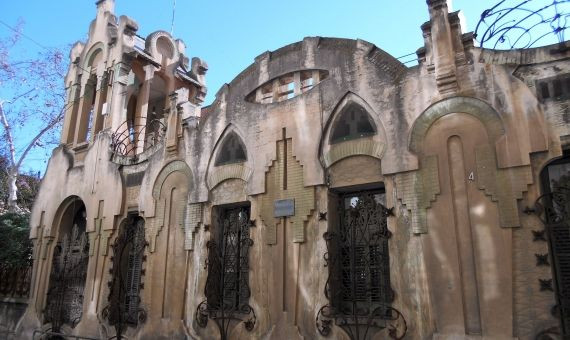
column 68, row 275
column 15, row 281
column 522, row 24
column 553, row 209
column 124, row 307
column 358, row 287
column 130, row 139
column 227, row 286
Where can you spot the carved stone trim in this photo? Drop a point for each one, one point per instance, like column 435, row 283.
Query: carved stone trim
column 504, row 186
column 476, row 107
column 361, row 146
column 224, row 172
column 192, row 220
column 417, row 189
column 157, row 223
column 167, row 170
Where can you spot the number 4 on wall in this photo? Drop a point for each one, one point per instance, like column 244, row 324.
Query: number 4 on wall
column 471, row 176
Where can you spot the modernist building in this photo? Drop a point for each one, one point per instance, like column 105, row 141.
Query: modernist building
column 328, row 192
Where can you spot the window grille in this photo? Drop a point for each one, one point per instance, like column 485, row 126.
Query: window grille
column 227, row 286
column 354, row 122
column 553, row 208
column 358, row 287
column 124, row 307
column 232, row 151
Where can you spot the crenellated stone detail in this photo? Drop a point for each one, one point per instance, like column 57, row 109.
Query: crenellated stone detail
column 295, row 188
column 225, row 172
column 192, row 220
column 504, row 186
column 96, row 233
column 417, row 189
column 157, row 223
column 361, row 146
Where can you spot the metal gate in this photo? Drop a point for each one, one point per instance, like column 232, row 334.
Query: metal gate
column 358, row 287
column 227, row 286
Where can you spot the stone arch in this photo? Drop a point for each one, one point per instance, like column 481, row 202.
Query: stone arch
column 95, row 52
column 372, row 144
column 473, row 106
column 171, row 167
column 220, row 171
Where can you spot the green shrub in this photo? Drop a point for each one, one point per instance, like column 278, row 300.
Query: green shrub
column 15, row 245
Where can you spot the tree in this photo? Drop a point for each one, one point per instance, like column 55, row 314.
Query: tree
column 32, row 97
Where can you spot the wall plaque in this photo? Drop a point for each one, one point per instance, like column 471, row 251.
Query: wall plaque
column 282, row 208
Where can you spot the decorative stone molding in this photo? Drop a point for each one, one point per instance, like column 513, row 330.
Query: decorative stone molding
column 286, row 167
column 476, row 107
column 504, row 186
column 192, row 220
column 157, row 223
column 417, row 189
column 361, row 146
column 96, row 233
column 167, row 45
column 225, row 172
column 167, row 170
column 160, row 204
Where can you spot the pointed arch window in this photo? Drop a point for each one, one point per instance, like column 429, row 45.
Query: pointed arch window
column 231, row 151
column 353, row 122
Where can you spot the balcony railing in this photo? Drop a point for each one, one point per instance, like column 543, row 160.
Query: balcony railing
column 130, row 140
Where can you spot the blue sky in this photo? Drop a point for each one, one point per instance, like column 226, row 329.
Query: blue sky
column 228, row 35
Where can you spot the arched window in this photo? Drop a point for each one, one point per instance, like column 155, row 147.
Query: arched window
column 231, row 151
column 354, row 122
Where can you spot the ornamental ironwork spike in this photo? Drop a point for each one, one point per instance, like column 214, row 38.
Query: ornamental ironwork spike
column 539, row 235
column 514, row 24
column 529, row 210
column 545, row 285
column 542, row 260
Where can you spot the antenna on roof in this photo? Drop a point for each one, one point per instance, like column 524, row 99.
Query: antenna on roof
column 173, row 12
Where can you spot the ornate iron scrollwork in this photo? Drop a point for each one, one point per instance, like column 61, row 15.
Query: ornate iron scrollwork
column 227, row 286
column 68, row 275
column 358, row 287
column 124, row 307
column 512, row 24
column 130, row 139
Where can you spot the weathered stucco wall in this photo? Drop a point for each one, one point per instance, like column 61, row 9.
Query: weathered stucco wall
column 457, row 147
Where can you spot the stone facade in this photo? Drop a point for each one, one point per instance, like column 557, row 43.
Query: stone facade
column 454, row 147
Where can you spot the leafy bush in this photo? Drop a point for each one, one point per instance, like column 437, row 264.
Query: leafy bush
column 15, row 245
